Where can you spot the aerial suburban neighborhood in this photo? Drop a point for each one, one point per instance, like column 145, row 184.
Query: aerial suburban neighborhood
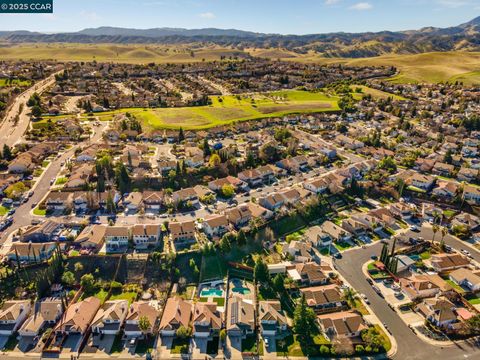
column 237, row 208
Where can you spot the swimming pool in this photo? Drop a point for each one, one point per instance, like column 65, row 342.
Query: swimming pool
column 211, row 292
column 241, row 290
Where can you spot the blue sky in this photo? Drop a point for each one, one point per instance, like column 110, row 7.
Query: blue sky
column 271, row 16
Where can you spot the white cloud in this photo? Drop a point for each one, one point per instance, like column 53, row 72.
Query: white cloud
column 361, row 6
column 331, row 2
column 207, row 15
column 453, row 3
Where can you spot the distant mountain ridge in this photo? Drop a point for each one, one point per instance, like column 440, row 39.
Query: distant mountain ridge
column 465, row 37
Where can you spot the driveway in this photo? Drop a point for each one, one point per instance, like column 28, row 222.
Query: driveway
column 104, row 344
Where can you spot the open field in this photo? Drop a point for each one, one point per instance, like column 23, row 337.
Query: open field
column 428, row 67
column 230, row 109
column 115, row 53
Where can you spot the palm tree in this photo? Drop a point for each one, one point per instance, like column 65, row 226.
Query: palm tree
column 435, row 229
column 444, row 232
column 349, row 295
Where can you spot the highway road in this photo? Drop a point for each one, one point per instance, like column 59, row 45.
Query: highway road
column 11, row 133
column 410, row 346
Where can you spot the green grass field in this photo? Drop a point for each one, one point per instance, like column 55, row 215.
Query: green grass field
column 230, row 109
column 24, row 83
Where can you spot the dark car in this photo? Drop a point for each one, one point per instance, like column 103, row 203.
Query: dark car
column 337, row 255
column 374, row 257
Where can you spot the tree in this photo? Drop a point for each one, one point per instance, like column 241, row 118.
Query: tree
column 122, row 178
column 279, row 283
column 304, row 320
column 37, row 111
column 448, row 159
column 435, row 229
column 68, row 278
column 241, row 238
column 181, row 135
column 206, row 148
column 228, row 191
column 225, row 245
column 78, row 267
column 144, row 324
column 7, row 152
column 214, row 160
column 269, row 152
column 388, row 163
column 88, row 282
column 223, row 335
column 473, row 324
column 372, row 338
column 260, row 271
column 349, row 296
column 184, row 332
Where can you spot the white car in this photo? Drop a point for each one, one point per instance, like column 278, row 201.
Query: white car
column 465, row 252
column 365, row 298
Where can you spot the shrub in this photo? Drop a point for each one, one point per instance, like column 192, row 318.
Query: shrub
column 324, row 350
column 359, row 349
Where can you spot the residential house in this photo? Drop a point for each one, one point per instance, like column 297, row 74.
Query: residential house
column 45, row 314
column 240, row 320
column 323, row 299
column 471, row 194
column 271, row 317
column 133, row 202
column 468, row 174
column 422, row 286
column 317, row 237
column 446, row 189
column 185, row 196
column 92, row 237
column 145, row 236
column 110, row 317
column 78, row 317
column 336, row 232
column 438, row 310
column 207, row 320
column 472, row 222
column 443, row 169
column 12, row 315
column 316, row 185
column 239, row 216
column 344, row 324
column 153, row 201
column 402, row 210
column 177, row 313
column 466, row 278
column 308, row 274
column 448, row 262
column 238, row 185
column 421, row 181
column 182, row 232
column 44, row 232
column 116, row 238
column 215, row 225
column 138, row 310
column 59, row 201
column 272, row 202
column 301, row 252
column 30, row 252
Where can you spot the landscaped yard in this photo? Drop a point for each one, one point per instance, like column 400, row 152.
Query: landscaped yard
column 455, row 286
column 130, row 296
column 100, row 294
column 289, row 346
column 211, row 268
column 61, row 180
column 39, row 212
column 473, row 299
column 212, row 345
column 145, row 346
column 249, row 344
column 341, row 246
column 3, row 210
column 387, row 345
column 425, row 255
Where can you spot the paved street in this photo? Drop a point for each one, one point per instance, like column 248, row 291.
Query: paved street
column 11, row 133
column 410, row 346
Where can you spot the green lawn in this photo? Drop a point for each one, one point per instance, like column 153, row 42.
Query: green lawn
column 289, row 346
column 211, row 268
column 455, row 286
column 425, row 255
column 232, row 108
column 130, row 296
column 14, row 82
column 61, row 180
column 3, row 210
column 473, row 299
column 341, row 246
column 387, row 345
column 39, row 212
column 449, row 213
column 45, row 163
column 100, row 294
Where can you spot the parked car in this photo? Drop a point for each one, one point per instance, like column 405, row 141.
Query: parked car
column 365, row 298
column 370, row 281
column 466, row 252
column 448, row 248
column 377, row 290
column 374, row 257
